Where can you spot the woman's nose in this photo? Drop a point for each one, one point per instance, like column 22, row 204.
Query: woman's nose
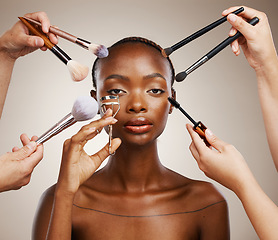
column 137, row 103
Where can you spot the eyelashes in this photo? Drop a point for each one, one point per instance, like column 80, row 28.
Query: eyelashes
column 121, row 92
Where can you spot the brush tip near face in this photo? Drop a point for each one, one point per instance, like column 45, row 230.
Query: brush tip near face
column 99, row 50
column 78, row 71
column 181, row 76
column 167, row 51
column 84, row 108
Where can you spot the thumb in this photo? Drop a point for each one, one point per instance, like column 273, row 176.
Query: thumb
column 33, row 41
column 214, row 141
column 25, row 151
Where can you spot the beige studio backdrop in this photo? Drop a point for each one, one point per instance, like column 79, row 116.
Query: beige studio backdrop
column 222, row 93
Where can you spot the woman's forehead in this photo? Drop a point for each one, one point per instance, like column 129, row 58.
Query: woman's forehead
column 134, row 57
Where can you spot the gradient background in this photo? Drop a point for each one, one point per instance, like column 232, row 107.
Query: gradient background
column 222, row 93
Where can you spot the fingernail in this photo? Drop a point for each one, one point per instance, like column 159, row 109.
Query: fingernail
column 108, row 112
column 31, row 145
column 232, row 17
column 208, row 132
column 114, row 120
column 234, row 48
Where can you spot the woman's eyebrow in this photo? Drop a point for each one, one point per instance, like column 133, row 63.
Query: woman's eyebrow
column 154, row 75
column 116, row 76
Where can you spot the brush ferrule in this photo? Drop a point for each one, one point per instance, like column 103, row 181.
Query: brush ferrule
column 60, row 54
column 65, row 122
column 197, row 64
column 83, row 43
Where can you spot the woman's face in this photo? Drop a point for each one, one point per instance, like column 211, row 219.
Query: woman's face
column 141, row 77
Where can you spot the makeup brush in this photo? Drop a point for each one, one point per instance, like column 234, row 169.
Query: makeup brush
column 78, row 72
column 198, row 127
column 99, row 50
column 84, row 108
column 182, row 75
column 167, row 51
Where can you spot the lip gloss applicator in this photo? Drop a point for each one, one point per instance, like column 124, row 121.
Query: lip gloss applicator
column 198, row 127
column 78, row 72
column 97, row 49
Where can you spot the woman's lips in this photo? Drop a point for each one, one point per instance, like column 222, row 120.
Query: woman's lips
column 138, row 125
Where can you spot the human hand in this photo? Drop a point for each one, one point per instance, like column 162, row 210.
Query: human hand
column 16, row 167
column 17, row 42
column 223, row 164
column 77, row 166
column 257, row 43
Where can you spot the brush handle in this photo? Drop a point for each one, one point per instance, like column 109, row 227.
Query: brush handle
column 203, row 30
column 81, row 42
column 180, row 77
column 229, row 40
column 200, row 128
column 56, row 31
column 37, row 32
column 64, row 123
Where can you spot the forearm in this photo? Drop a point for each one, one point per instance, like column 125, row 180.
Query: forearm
column 268, row 93
column 262, row 212
column 6, row 68
column 60, row 226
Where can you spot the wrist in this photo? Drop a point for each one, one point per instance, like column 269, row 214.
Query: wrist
column 61, row 193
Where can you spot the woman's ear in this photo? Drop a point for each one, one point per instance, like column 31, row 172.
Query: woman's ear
column 174, row 97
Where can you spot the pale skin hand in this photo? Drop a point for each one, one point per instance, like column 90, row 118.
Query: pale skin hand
column 257, row 43
column 226, row 165
column 16, row 167
column 76, row 167
column 15, row 43
column 260, row 52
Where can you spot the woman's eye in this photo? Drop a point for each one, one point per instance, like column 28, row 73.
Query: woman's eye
column 156, row 91
column 116, row 91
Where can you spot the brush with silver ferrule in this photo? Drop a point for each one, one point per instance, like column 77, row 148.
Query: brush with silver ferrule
column 78, row 71
column 97, row 49
column 167, row 51
column 84, row 108
column 182, row 75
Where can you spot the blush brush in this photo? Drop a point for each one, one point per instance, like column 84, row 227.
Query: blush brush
column 78, row 71
column 97, row 49
column 84, row 108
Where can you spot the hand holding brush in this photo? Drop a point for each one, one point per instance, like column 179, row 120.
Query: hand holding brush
column 97, row 49
column 78, row 72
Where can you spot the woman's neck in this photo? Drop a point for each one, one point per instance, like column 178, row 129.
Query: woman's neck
column 135, row 168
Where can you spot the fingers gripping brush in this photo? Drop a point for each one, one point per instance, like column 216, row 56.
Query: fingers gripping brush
column 198, row 127
column 78, row 72
column 167, row 51
column 99, row 50
column 182, row 75
column 84, row 108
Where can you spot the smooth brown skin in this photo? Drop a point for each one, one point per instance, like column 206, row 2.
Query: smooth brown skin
column 138, row 197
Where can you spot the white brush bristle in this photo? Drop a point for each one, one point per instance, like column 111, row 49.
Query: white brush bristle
column 77, row 71
column 84, row 108
column 99, row 50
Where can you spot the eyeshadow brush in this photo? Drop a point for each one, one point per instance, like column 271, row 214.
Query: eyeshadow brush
column 97, row 49
column 167, row 51
column 78, row 72
column 182, row 75
column 198, row 127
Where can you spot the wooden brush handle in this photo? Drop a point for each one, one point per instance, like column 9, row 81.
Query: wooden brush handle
column 37, row 32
